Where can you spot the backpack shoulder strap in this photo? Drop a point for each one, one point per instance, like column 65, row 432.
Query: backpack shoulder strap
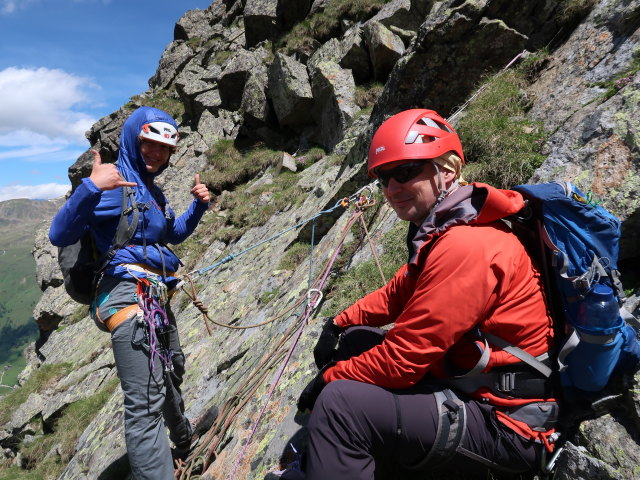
column 534, row 362
column 126, row 229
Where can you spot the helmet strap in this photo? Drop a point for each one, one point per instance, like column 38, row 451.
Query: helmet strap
column 443, row 192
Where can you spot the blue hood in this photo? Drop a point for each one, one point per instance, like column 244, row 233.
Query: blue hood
column 130, row 162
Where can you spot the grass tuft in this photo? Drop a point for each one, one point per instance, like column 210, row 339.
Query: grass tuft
column 501, row 146
column 310, row 33
column 39, row 380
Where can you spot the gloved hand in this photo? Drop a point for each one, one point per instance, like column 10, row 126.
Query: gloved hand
column 326, row 344
column 310, row 394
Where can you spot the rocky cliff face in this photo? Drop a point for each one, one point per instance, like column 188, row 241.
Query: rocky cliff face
column 252, row 74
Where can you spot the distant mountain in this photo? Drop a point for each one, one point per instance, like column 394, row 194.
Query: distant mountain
column 19, row 292
column 25, row 212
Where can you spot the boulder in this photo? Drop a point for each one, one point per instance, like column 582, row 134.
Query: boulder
column 290, row 91
column 330, row 51
column 260, row 21
column 173, row 59
column 46, row 256
column 333, row 92
column 194, row 24
column 292, row 12
column 385, row 48
column 399, row 14
column 234, row 76
column 53, row 307
column 318, row 6
column 254, row 105
column 449, row 42
column 355, row 55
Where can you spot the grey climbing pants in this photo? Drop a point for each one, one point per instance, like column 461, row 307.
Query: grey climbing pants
column 359, row 431
column 150, row 395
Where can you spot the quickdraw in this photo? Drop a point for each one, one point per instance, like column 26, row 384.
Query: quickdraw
column 152, row 324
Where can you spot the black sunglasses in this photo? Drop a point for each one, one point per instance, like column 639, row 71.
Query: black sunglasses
column 401, row 173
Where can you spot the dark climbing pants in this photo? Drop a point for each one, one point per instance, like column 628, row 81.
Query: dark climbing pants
column 150, row 396
column 362, row 431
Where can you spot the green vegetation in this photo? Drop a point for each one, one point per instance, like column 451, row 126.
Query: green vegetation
column 19, row 291
column 242, row 206
column 307, row 35
column 295, row 255
column 501, row 146
column 39, row 380
column 68, row 428
column 367, row 95
column 266, row 297
column 229, row 167
column 619, row 81
column 253, row 206
column 220, row 57
column 572, row 11
column 365, row 277
column 164, row 99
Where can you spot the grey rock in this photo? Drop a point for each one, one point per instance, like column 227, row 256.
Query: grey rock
column 195, row 24
column 292, row 12
column 174, row 58
column 260, row 20
column 333, row 92
column 400, row 14
column 355, row 55
column 46, row 257
column 254, row 105
column 318, row 6
column 290, row 91
column 330, row 51
column 53, row 307
column 430, row 69
column 385, row 48
column 234, row 76
column 575, row 462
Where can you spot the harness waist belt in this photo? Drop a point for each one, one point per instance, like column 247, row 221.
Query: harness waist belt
column 136, row 267
column 519, row 384
column 120, row 316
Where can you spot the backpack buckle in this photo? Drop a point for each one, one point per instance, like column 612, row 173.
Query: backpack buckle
column 506, row 382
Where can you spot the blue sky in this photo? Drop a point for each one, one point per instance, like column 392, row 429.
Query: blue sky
column 64, row 64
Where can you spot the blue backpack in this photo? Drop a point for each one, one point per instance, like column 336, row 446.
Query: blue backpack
column 576, row 244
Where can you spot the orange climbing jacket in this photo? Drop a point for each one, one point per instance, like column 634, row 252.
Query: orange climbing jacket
column 468, row 277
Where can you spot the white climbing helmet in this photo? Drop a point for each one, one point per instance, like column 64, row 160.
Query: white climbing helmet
column 160, row 132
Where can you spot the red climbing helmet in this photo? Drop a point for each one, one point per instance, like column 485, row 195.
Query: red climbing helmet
column 412, row 135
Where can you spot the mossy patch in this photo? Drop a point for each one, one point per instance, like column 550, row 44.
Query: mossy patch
column 316, row 29
column 501, row 146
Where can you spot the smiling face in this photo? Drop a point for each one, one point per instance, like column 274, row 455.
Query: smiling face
column 155, row 155
column 413, row 200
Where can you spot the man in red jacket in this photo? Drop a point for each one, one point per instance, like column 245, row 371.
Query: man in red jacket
column 440, row 388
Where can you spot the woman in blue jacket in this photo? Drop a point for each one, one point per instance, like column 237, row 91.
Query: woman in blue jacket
column 132, row 293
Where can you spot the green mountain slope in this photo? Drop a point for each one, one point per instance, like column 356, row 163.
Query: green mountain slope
column 19, row 292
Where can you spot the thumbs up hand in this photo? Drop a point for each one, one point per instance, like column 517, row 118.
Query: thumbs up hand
column 106, row 176
column 200, row 190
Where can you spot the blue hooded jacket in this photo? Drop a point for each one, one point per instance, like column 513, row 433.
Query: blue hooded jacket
column 89, row 208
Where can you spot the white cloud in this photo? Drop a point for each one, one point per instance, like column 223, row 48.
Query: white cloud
column 38, row 103
column 7, row 7
column 43, row 191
